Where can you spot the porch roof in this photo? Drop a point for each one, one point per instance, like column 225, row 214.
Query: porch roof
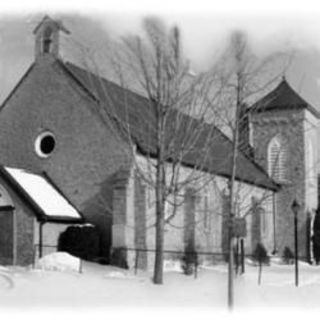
column 48, row 203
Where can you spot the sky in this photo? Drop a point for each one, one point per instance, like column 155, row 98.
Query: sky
column 205, row 26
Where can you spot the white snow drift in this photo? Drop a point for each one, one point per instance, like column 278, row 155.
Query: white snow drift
column 59, row 261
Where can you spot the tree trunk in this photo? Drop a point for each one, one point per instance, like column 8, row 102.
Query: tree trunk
column 230, row 269
column 237, row 256
column 242, row 256
column 160, row 200
column 158, row 265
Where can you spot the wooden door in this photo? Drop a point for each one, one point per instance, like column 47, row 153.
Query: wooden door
column 6, row 235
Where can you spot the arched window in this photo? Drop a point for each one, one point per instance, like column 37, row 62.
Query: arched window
column 47, row 40
column 277, row 158
column 310, row 164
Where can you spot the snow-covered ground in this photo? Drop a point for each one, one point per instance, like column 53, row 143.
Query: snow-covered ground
column 117, row 291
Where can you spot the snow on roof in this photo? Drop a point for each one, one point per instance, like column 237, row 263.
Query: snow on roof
column 50, row 201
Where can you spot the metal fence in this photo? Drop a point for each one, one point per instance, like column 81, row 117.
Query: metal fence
column 194, row 259
column 190, row 260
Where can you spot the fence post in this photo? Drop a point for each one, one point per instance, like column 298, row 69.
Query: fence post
column 195, row 268
column 34, row 256
column 136, row 262
column 80, row 266
column 242, row 256
column 237, row 257
column 41, row 238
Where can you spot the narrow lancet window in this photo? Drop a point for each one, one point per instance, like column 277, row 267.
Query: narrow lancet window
column 277, row 158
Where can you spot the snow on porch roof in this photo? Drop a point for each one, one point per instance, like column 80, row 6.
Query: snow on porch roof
column 49, row 202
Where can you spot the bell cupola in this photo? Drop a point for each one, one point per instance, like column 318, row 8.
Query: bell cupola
column 47, row 35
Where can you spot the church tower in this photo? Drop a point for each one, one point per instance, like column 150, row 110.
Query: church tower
column 284, row 137
column 47, row 34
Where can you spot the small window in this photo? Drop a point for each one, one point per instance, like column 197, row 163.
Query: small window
column 47, row 40
column 45, row 144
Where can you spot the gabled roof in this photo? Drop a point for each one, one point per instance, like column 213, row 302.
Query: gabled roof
column 135, row 114
column 57, row 24
column 46, row 201
column 283, row 97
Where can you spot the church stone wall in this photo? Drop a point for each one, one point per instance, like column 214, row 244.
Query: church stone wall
column 290, row 124
column 311, row 125
column 87, row 153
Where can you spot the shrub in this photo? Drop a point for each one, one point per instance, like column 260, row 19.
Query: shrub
column 260, row 255
column 80, row 241
column 119, row 258
column 287, row 256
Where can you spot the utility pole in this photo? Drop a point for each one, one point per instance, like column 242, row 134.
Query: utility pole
column 232, row 198
column 295, row 208
column 230, row 262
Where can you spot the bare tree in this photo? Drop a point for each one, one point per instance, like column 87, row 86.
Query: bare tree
column 173, row 133
column 245, row 77
column 179, row 117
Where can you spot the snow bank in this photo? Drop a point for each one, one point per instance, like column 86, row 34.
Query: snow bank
column 112, row 288
column 59, row 261
column 119, row 275
column 172, row 265
column 3, row 269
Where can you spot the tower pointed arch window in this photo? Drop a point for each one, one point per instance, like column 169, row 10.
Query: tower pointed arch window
column 277, row 158
column 310, row 164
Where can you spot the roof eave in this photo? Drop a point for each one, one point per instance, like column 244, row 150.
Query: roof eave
column 270, row 185
column 260, row 109
column 63, row 219
column 12, row 92
column 40, row 214
column 50, row 180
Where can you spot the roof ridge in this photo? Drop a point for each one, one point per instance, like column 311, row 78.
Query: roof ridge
column 65, row 67
column 103, row 78
column 58, row 23
column 141, row 144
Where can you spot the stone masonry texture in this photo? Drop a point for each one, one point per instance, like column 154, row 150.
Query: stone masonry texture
column 289, row 124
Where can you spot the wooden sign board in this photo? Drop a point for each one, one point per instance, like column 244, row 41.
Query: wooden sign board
column 240, row 228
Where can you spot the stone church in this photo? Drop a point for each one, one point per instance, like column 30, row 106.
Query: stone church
column 51, row 126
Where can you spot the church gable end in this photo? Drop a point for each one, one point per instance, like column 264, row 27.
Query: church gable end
column 79, row 151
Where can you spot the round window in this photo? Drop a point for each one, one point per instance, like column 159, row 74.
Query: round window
column 45, row 144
